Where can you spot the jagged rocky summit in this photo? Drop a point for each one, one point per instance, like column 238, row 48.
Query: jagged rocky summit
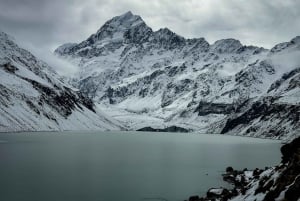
column 33, row 96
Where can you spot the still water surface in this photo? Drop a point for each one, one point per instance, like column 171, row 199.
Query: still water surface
column 122, row 166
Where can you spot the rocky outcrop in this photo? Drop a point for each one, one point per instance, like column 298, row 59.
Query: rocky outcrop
column 264, row 111
column 276, row 183
column 205, row 108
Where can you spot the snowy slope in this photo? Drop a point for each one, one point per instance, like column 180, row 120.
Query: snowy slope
column 158, row 78
column 33, row 98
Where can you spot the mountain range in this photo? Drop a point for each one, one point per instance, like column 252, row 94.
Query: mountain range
column 158, row 79
column 131, row 77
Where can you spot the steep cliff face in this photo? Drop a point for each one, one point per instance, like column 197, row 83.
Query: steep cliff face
column 158, row 78
column 33, row 97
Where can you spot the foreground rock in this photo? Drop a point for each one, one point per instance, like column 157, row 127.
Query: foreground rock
column 281, row 182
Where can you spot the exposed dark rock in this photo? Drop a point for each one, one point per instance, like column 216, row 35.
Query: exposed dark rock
column 284, row 77
column 205, row 108
column 288, row 150
column 283, row 46
column 264, row 186
column 264, row 110
column 194, row 198
column 172, row 71
column 167, row 39
column 229, row 169
column 167, row 129
column 143, row 86
column 9, row 68
column 32, row 106
column 293, row 193
column 4, row 95
column 63, row 101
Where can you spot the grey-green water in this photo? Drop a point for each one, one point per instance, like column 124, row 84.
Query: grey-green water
column 122, row 166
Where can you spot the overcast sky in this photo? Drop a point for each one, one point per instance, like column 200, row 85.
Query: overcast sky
column 45, row 24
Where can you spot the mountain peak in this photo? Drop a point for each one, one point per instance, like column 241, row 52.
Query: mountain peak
column 228, row 45
column 128, row 18
column 165, row 33
column 127, row 14
column 167, row 38
column 117, row 26
column 125, row 21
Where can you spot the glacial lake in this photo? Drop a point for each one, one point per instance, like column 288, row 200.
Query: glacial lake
column 122, row 166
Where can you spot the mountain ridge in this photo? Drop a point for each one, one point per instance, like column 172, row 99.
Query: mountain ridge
column 127, row 24
column 34, row 97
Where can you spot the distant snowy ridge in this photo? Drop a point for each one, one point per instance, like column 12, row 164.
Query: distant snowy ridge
column 33, row 97
column 160, row 79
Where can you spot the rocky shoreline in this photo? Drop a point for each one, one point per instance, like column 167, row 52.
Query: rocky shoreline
column 281, row 182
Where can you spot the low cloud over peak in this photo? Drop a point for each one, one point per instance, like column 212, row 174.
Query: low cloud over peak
column 47, row 24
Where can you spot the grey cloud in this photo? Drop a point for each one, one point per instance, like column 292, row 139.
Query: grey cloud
column 43, row 25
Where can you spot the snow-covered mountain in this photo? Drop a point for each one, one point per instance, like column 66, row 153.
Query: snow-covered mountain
column 159, row 79
column 33, row 97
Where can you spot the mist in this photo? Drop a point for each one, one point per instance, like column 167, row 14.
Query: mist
column 286, row 61
column 61, row 66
